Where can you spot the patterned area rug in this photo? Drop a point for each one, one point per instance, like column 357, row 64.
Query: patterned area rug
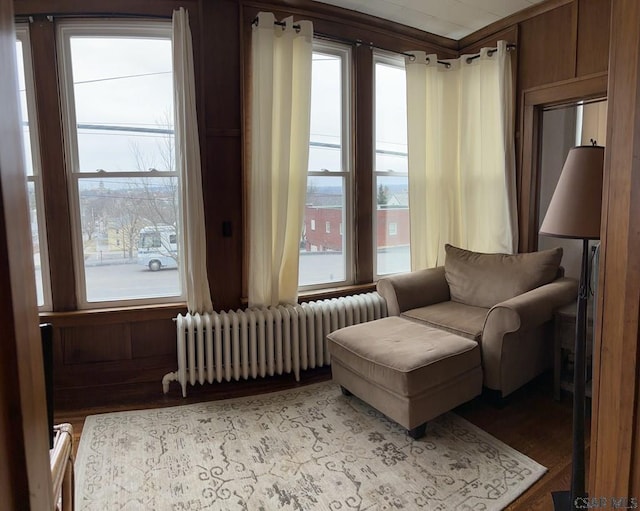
column 310, row 448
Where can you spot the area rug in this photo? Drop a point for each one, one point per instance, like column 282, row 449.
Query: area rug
column 310, row 448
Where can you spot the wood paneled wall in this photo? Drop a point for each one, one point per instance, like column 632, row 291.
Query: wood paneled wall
column 556, row 40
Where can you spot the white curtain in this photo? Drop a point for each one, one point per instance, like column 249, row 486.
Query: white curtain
column 461, row 155
column 192, row 231
column 281, row 104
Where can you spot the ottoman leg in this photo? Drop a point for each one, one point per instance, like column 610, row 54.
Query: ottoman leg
column 345, row 392
column 417, row 432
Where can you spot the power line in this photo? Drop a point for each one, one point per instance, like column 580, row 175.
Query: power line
column 122, row 77
column 116, row 78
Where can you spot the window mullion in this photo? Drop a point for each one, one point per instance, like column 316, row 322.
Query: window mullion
column 363, row 164
column 53, row 174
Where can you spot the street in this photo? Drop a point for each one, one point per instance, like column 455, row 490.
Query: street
column 106, row 282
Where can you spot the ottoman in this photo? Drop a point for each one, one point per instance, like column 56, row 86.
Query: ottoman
column 409, row 371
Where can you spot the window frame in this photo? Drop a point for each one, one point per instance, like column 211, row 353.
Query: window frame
column 22, row 34
column 65, row 30
column 345, row 53
column 392, row 60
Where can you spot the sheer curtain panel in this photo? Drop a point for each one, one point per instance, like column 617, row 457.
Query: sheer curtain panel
column 281, row 98
column 461, row 155
column 193, row 242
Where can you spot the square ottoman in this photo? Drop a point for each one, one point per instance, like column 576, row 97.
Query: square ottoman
column 409, row 371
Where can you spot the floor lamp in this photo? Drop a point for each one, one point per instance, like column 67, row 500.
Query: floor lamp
column 574, row 212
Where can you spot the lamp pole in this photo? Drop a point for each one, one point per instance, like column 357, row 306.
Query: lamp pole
column 579, row 382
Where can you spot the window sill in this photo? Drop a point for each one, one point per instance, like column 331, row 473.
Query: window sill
column 330, row 292
column 113, row 315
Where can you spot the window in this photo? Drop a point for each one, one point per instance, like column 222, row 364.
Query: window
column 33, row 167
column 392, row 243
column 325, row 258
column 118, row 101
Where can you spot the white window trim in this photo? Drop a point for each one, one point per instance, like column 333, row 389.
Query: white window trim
column 394, row 231
column 388, row 59
column 22, row 34
column 93, row 28
column 344, row 52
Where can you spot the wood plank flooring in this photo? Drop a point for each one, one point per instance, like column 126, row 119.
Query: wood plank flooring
column 530, row 420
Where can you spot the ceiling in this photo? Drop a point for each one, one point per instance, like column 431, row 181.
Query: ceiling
column 449, row 18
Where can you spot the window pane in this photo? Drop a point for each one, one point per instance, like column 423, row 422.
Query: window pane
column 325, row 151
column 391, row 165
column 35, row 237
column 129, row 237
column 392, row 225
column 123, row 96
column 32, row 164
column 122, row 112
column 391, row 119
column 322, row 251
column 22, row 88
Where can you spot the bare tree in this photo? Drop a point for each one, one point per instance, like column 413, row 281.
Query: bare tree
column 156, row 193
column 128, row 221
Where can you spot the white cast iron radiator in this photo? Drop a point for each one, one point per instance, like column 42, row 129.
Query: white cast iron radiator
column 259, row 342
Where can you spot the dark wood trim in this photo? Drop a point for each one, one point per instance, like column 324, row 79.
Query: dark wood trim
column 518, row 17
column 615, row 463
column 574, row 36
column 532, row 102
column 130, row 7
column 363, row 210
column 57, row 211
column 111, row 316
column 336, row 292
column 223, row 132
column 244, row 36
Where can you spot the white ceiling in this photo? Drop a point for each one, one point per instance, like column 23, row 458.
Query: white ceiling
column 449, row 18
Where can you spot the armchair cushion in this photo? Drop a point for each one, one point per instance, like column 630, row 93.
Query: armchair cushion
column 458, row 318
column 484, row 280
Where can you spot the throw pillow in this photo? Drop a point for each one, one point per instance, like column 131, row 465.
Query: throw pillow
column 484, row 280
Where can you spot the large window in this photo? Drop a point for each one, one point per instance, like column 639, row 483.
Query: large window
column 32, row 166
column 118, row 88
column 325, row 253
column 391, row 200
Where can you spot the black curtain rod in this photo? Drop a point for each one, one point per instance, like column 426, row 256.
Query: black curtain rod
column 359, row 42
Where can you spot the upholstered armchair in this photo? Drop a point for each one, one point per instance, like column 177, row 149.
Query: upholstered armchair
column 503, row 302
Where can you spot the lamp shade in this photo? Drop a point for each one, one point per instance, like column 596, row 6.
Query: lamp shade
column 574, row 210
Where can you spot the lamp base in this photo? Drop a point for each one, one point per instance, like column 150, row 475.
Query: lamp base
column 561, row 500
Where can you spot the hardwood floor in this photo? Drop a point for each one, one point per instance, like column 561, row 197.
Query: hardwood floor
column 530, row 420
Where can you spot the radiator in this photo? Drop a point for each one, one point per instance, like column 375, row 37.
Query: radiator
column 260, row 342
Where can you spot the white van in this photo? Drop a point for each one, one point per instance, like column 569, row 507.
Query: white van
column 158, row 247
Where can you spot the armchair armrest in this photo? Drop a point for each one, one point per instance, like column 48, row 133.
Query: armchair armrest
column 533, row 308
column 414, row 289
column 520, row 314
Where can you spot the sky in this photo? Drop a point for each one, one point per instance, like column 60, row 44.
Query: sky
column 128, row 82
